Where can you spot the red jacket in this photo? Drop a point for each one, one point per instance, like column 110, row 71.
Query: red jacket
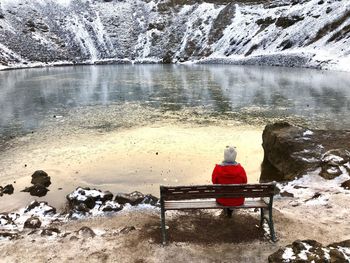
column 229, row 174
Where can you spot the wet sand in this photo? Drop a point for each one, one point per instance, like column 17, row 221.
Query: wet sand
column 125, row 160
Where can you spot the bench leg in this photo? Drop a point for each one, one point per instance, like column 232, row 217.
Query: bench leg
column 261, row 217
column 271, row 226
column 162, row 212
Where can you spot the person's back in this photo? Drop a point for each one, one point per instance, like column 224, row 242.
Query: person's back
column 229, row 172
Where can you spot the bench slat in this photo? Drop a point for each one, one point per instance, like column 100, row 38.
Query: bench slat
column 216, row 191
column 210, row 204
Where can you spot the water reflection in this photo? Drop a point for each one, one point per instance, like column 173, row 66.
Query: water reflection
column 29, row 96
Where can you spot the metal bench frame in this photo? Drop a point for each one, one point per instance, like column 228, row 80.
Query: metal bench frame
column 182, row 198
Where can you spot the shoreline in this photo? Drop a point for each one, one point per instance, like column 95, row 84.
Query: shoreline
column 292, row 59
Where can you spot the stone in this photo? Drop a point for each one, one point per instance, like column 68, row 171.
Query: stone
column 50, row 232
column 346, row 185
column 40, row 207
column 32, row 222
column 291, row 152
column 9, row 235
column 88, row 197
column 286, row 194
column 127, row 229
column 86, row 232
column 36, row 190
column 41, row 177
column 151, row 200
column 332, row 161
column 8, row 189
column 111, row 206
column 133, row 198
column 311, row 251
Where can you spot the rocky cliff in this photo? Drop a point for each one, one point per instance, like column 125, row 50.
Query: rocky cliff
column 300, row 33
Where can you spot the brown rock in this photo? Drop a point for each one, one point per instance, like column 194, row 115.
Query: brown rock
column 346, row 185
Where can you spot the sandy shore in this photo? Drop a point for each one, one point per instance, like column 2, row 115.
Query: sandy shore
column 126, row 160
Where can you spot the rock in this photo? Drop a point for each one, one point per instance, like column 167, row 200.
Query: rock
column 36, row 190
column 7, row 221
column 290, row 151
column 88, row 196
column 151, row 200
column 50, row 232
column 133, row 198
column 311, row 251
column 8, row 189
column 345, row 243
column 286, row 194
column 42, row 207
column 86, row 232
column 332, row 161
column 111, row 206
column 8, row 235
column 41, row 177
column 73, row 238
column 346, row 185
column 127, row 229
column 32, row 222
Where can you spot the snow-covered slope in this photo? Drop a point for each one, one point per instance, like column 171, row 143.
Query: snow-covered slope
column 300, row 33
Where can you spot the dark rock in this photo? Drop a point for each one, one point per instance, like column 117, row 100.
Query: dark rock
column 73, row 238
column 8, row 189
column 32, row 222
column 285, row 22
column 277, row 256
column 36, row 190
column 111, row 206
column 332, row 161
column 86, row 232
column 286, row 194
column 42, row 206
column 345, row 243
column 337, row 256
column 41, row 177
column 151, row 200
column 346, row 185
column 88, row 197
column 291, row 152
column 133, row 198
column 50, row 232
column 127, row 229
column 315, row 196
column 9, row 235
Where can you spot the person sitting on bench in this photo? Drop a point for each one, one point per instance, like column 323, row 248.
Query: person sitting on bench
column 229, row 172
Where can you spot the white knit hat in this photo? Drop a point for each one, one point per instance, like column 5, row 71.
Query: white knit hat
column 230, row 154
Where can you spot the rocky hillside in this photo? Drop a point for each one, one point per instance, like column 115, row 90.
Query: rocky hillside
column 300, row 33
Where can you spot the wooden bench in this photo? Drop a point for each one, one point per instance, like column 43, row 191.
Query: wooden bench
column 197, row 197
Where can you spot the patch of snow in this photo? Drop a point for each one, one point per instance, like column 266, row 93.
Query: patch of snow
column 308, row 133
column 332, row 158
column 288, row 254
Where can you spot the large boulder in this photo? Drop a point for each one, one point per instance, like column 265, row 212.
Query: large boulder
column 291, row 151
column 41, row 177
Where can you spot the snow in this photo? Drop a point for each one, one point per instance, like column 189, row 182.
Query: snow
column 288, row 254
column 308, row 133
column 332, row 158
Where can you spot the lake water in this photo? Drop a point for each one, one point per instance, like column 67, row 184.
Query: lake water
column 133, row 127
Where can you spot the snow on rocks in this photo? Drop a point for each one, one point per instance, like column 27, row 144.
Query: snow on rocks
column 82, row 203
column 312, row 251
column 85, row 202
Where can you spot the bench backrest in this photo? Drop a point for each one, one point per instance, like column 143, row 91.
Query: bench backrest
column 217, row 191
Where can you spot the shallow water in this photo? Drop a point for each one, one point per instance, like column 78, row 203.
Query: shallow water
column 133, row 127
